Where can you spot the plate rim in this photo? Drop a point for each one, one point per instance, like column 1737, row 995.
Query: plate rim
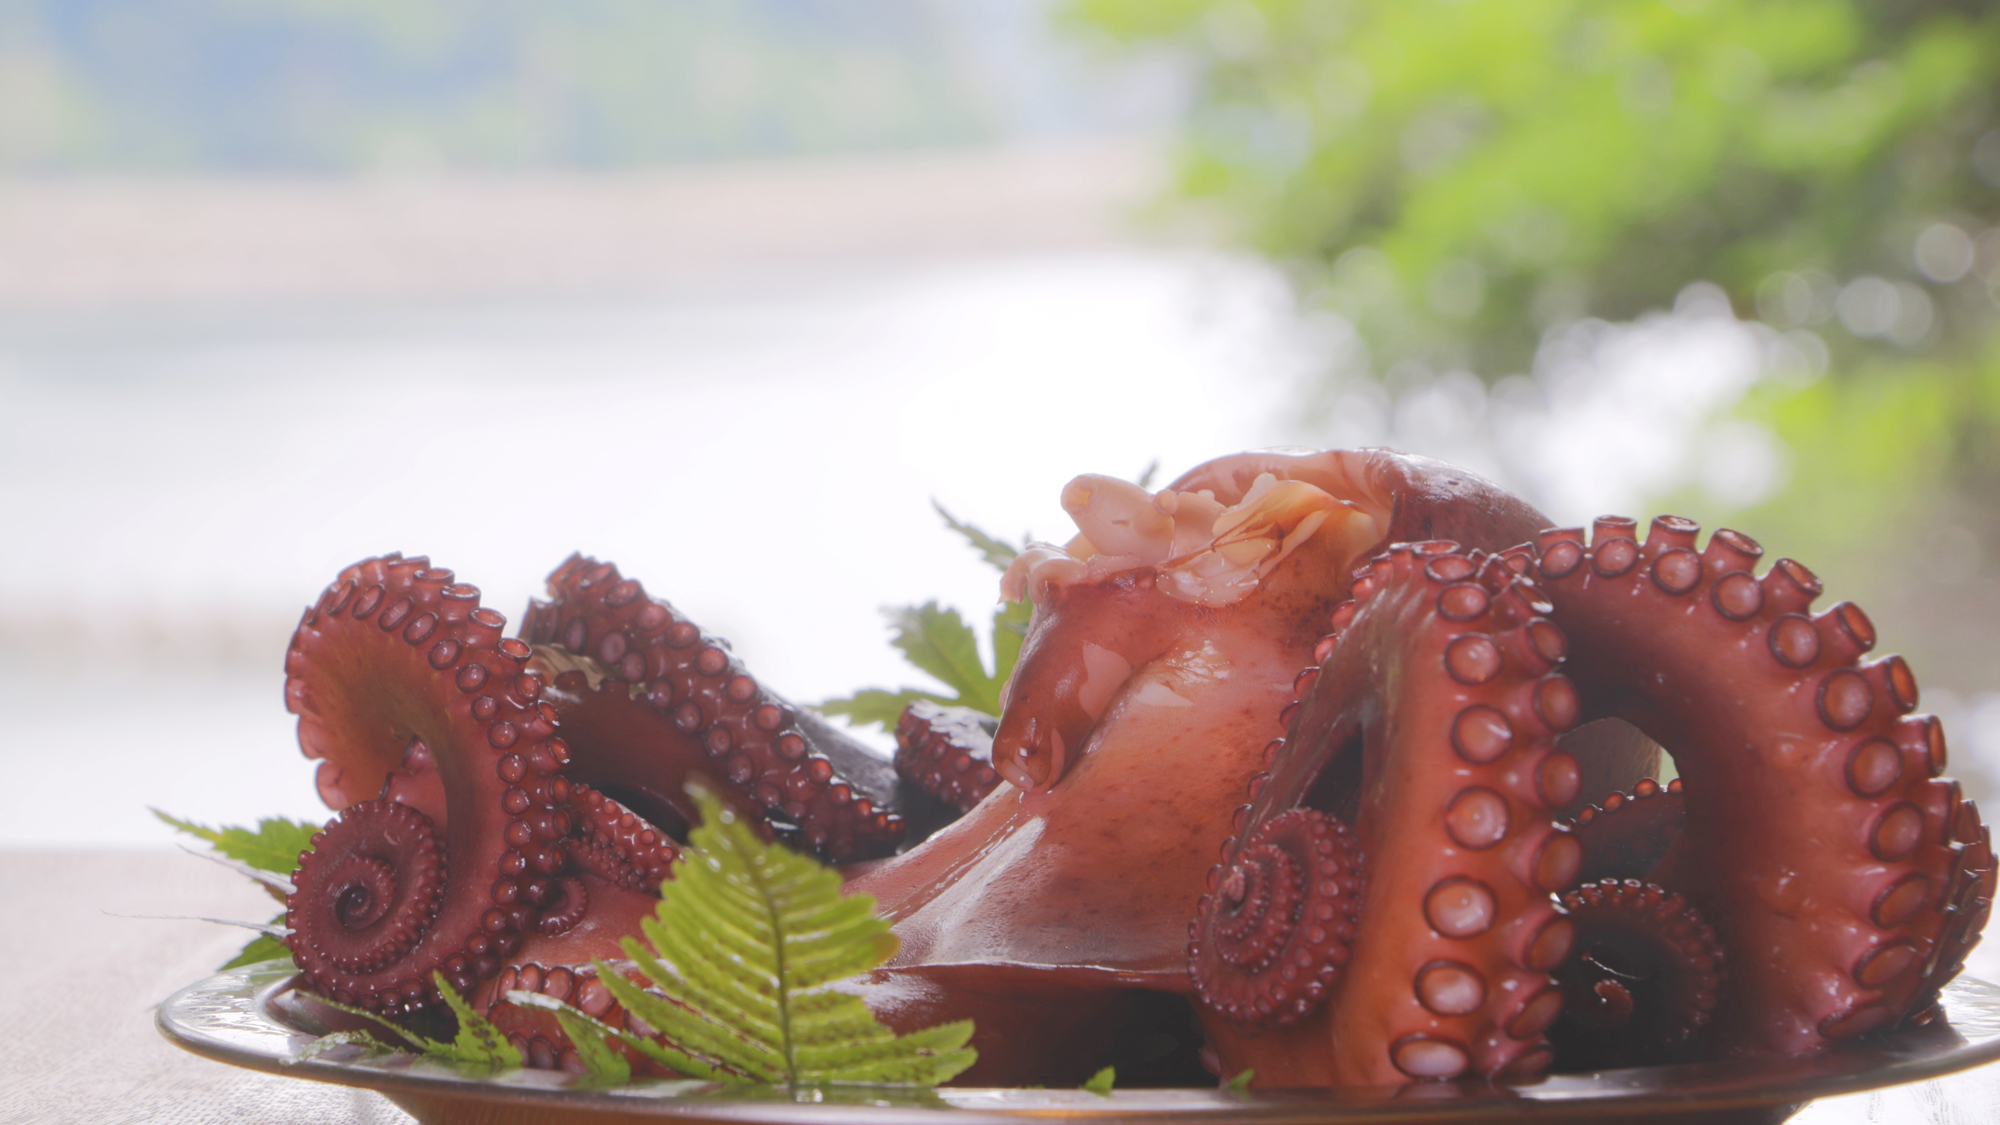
column 226, row 1017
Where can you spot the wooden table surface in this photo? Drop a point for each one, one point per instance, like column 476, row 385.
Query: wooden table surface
column 92, row 955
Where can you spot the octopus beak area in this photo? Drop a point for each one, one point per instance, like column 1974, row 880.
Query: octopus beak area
column 1084, row 644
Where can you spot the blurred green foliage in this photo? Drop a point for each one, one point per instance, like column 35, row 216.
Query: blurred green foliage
column 1458, row 177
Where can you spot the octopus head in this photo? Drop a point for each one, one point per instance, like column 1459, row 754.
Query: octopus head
column 1143, row 571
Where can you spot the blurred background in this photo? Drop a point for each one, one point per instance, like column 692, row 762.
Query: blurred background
column 731, row 292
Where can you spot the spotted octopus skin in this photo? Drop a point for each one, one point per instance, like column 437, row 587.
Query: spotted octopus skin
column 648, row 703
column 406, row 690
column 1846, row 878
column 947, row 752
column 1430, row 724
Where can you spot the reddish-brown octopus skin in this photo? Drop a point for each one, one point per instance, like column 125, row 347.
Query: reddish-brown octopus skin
column 649, row 703
column 406, row 690
column 1846, row 879
column 1092, row 872
column 1430, row 725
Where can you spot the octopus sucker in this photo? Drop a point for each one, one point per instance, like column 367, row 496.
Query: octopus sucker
column 1817, row 835
column 1626, row 834
column 422, row 714
column 1340, row 765
column 1643, row 983
column 649, row 703
column 1435, row 711
column 947, row 752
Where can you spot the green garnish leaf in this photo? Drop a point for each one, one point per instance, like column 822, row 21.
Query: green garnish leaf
column 263, row 947
column 478, row 1044
column 1241, row 1082
column 274, row 845
column 361, row 1037
column 478, row 1041
column 998, row 555
column 591, row 1037
column 1100, row 1083
column 936, row 639
column 744, row 946
column 873, row 705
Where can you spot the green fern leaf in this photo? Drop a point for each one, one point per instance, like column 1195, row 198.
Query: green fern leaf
column 478, row 1045
column 360, row 1037
column 745, row 949
column 274, row 845
column 263, row 947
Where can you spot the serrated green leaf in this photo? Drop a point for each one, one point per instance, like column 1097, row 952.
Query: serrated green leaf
column 997, row 554
column 937, row 640
column 1010, row 628
column 882, row 708
column 478, row 1044
column 263, row 947
column 602, row 1064
column 274, row 845
column 743, row 948
column 1101, row 1082
column 361, row 1037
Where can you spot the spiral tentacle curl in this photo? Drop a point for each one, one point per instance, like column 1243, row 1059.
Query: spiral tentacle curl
column 1269, row 939
column 1643, row 981
column 368, row 889
column 1432, row 714
column 406, row 690
column 648, row 702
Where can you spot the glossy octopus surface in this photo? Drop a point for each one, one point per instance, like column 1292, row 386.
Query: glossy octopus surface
column 1340, row 767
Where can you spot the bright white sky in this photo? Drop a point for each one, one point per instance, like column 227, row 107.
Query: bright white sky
column 174, row 488
column 764, row 460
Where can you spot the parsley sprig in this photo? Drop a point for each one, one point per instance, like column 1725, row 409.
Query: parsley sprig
column 937, row 640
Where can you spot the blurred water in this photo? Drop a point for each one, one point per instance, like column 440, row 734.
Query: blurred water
column 175, row 486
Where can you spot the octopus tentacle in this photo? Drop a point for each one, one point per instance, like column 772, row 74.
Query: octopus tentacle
column 947, row 752
column 1145, row 568
column 1643, row 980
column 1818, row 833
column 406, row 690
column 1268, row 942
column 1430, row 721
column 1625, row 835
column 648, row 702
column 368, row 889
column 616, row 844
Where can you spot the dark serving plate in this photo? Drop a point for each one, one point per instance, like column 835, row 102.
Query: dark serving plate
column 242, row 1016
